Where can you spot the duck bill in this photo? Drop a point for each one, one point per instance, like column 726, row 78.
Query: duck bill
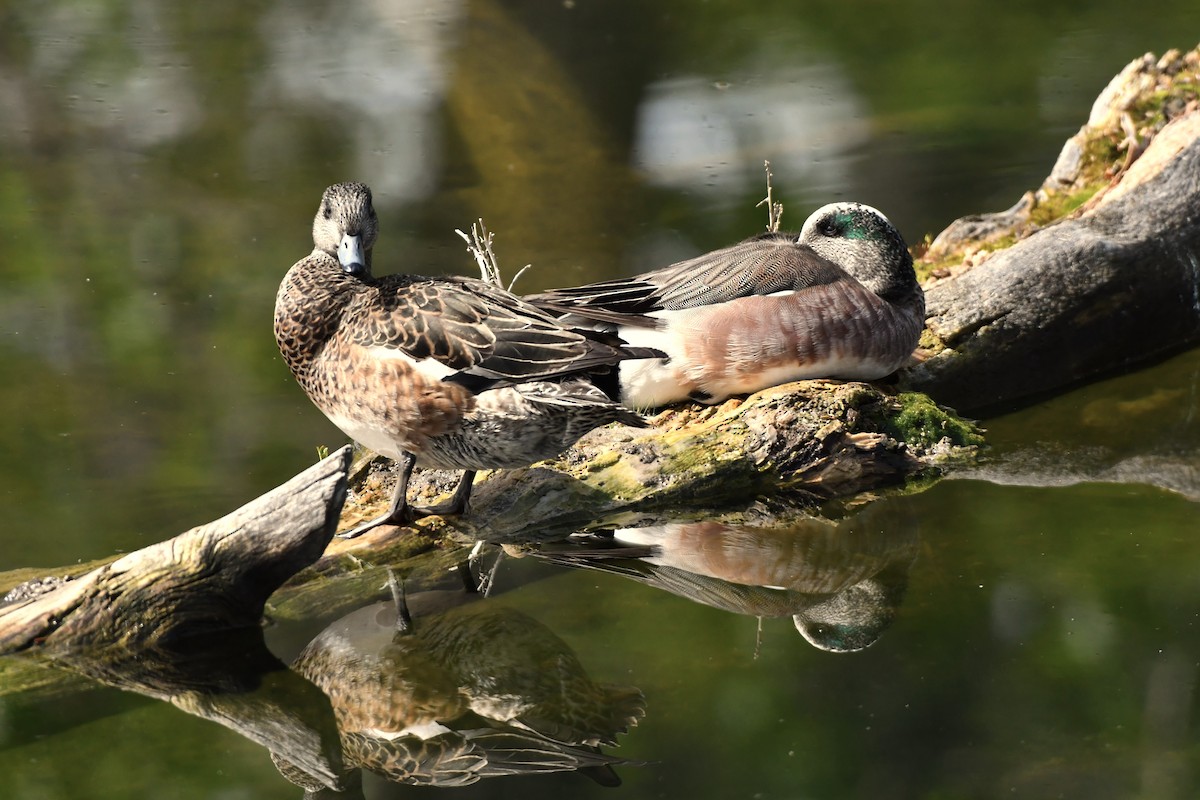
column 350, row 255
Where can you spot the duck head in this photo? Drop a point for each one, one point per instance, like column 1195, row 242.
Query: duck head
column 854, row 618
column 346, row 226
column 861, row 240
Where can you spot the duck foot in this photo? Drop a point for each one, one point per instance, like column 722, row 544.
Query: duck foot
column 456, row 505
column 401, row 513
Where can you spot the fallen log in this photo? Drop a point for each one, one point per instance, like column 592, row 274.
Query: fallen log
column 809, row 441
column 211, row 579
column 1095, row 272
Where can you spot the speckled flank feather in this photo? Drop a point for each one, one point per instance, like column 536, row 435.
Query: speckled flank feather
column 515, row 426
column 841, row 300
column 455, row 371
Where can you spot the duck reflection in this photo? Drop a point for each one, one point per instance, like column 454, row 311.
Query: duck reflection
column 450, row 698
column 841, row 583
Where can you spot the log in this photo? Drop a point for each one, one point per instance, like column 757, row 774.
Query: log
column 808, row 441
column 1095, row 272
column 209, row 580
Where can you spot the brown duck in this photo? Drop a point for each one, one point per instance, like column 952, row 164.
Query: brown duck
column 444, row 372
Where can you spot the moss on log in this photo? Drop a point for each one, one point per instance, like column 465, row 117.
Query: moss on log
column 809, row 440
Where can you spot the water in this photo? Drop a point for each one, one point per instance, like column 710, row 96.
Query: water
column 160, row 169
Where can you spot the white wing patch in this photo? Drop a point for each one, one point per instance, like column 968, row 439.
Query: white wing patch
column 427, row 367
column 367, row 435
column 424, row 730
column 651, row 382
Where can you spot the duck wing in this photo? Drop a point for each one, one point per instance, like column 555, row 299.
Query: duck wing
column 765, row 264
column 478, row 329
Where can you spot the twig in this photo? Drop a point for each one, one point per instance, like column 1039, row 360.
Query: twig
column 479, row 244
column 774, row 210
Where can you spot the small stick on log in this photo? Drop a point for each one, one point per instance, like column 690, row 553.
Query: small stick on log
column 479, row 245
column 774, row 210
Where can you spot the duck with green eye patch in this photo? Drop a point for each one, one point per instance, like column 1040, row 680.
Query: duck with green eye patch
column 840, row 300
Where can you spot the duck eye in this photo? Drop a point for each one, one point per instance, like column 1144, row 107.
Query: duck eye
column 828, row 227
column 327, row 211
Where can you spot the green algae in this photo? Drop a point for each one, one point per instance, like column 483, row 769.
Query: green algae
column 922, row 423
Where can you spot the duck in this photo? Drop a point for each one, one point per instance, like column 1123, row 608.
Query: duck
column 443, row 372
column 461, row 691
column 840, row 300
column 841, row 583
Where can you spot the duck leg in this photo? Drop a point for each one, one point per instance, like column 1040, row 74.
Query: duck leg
column 403, row 617
column 399, row 513
column 457, row 504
